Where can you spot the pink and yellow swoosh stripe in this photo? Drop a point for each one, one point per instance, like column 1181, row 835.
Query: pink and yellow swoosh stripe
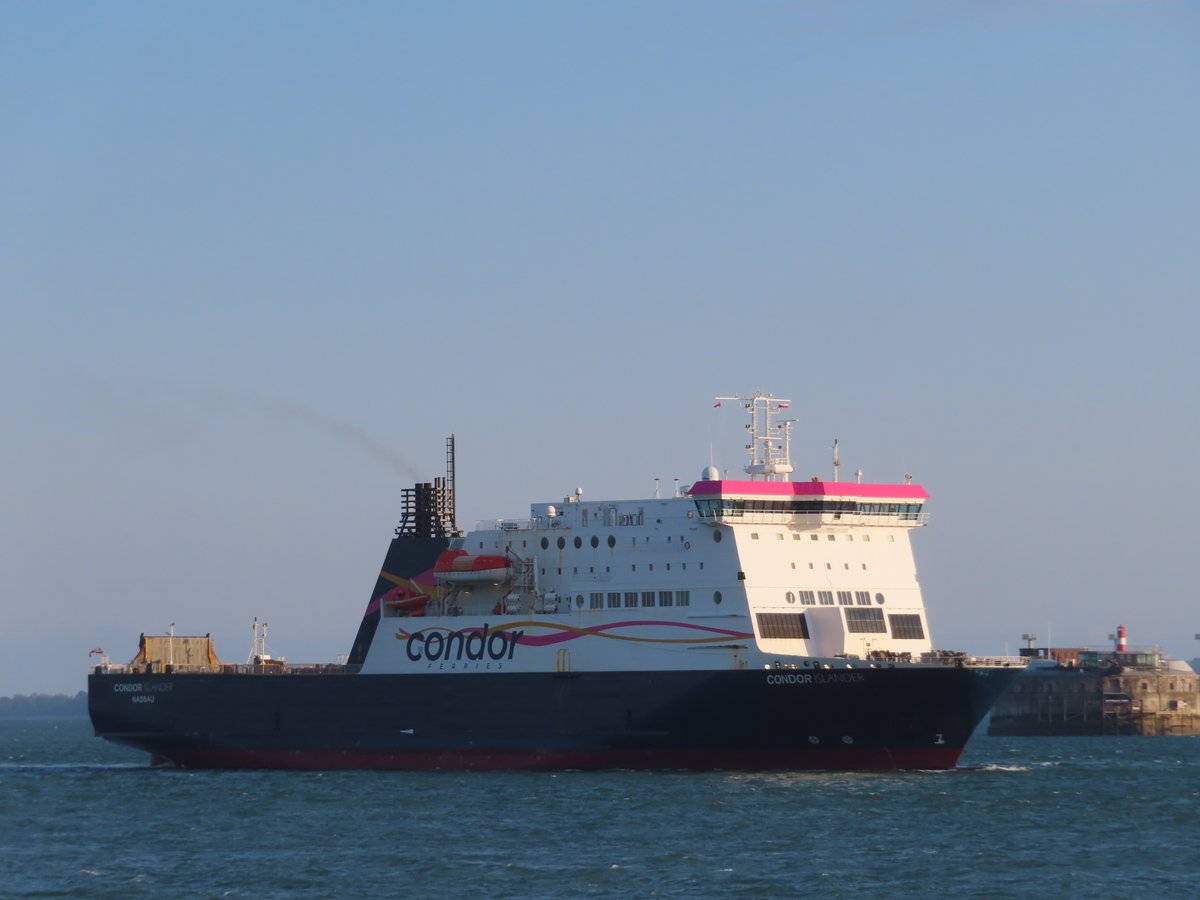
column 562, row 632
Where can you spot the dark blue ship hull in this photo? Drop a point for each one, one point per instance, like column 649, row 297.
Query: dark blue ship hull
column 884, row 718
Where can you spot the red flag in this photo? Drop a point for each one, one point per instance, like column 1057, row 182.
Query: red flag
column 96, row 652
column 715, row 405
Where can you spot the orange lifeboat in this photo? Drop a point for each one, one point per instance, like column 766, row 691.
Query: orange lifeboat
column 405, row 601
column 459, row 567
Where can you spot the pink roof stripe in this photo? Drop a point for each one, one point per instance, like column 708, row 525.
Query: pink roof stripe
column 808, row 489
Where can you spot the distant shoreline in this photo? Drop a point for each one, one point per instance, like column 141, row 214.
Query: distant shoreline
column 44, row 706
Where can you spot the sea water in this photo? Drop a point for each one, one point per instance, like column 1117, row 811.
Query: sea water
column 1081, row 817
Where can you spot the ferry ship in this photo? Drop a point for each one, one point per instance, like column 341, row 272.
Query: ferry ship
column 753, row 623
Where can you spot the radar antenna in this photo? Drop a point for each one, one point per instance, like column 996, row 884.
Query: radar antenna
column 770, row 441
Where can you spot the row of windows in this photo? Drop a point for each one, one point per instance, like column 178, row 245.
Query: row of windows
column 636, row 599
column 825, row 598
column 727, row 507
column 633, row 568
column 813, row 536
column 561, row 542
column 794, row 626
column 649, row 567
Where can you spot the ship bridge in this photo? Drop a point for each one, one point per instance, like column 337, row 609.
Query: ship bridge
column 809, row 502
column 771, row 497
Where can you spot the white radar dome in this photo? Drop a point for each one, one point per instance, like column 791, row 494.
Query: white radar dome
column 710, row 473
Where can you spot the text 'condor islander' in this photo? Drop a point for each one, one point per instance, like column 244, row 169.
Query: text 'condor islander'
column 755, row 624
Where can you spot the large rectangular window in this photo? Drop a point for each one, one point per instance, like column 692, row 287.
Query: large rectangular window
column 683, row 598
column 614, row 600
column 862, row 598
column 906, row 627
column 865, row 621
column 665, row 598
column 631, row 599
column 785, row 626
column 826, row 597
column 647, row 598
column 845, row 598
column 597, row 601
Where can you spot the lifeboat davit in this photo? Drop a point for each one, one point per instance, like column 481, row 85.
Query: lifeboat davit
column 459, row 567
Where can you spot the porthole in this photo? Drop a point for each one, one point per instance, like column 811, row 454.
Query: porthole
column 612, row 541
column 717, row 597
column 579, row 600
column 879, row 599
column 545, row 543
column 791, row 598
column 595, row 542
column 562, row 543
column 717, row 535
column 578, row 542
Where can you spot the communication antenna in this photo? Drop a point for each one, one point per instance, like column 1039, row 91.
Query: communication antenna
column 258, row 646
column 836, row 461
column 770, row 441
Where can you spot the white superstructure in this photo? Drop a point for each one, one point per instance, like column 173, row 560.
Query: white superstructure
column 727, row 574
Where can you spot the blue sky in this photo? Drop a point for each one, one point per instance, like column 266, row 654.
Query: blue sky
column 257, row 260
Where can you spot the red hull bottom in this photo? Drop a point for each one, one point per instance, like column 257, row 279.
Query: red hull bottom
column 503, row 760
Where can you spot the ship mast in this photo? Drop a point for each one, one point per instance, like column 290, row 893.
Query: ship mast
column 770, row 441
